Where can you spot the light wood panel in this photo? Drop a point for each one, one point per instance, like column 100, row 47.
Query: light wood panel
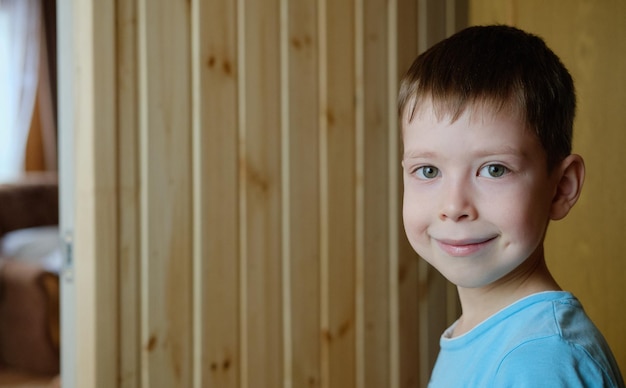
column 255, row 167
column 302, row 251
column 374, row 156
column 585, row 250
column 164, row 152
column 260, row 191
column 408, row 328
column 217, row 356
column 338, row 225
column 96, row 234
column 128, row 198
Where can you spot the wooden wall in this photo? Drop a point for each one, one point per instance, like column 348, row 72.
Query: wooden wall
column 237, row 188
column 238, row 195
column 585, row 251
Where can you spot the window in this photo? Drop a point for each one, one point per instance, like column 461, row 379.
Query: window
column 20, row 36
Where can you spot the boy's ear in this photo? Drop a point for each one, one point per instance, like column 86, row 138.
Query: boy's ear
column 572, row 175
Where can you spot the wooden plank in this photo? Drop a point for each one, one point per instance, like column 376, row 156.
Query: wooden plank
column 216, row 271
column 431, row 23
column 127, row 144
column 410, row 357
column 323, row 193
column 285, row 187
column 376, row 180
column 456, row 15
column 165, row 141
column 360, row 229
column 340, row 185
column 407, row 265
column 490, row 11
column 261, row 190
column 303, row 192
column 394, row 189
column 95, row 249
column 433, row 316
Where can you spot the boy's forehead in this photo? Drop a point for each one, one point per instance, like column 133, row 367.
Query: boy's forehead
column 481, row 129
column 481, row 111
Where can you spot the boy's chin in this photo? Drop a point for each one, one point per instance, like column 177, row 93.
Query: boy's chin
column 474, row 280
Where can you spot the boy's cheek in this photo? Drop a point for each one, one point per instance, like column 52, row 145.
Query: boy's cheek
column 413, row 218
column 417, row 201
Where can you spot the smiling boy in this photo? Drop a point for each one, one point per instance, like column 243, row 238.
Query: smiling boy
column 487, row 119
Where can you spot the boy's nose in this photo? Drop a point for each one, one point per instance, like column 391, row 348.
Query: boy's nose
column 456, row 203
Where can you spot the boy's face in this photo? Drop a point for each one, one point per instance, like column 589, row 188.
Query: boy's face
column 477, row 194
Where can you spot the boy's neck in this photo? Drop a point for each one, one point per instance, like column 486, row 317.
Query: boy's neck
column 479, row 304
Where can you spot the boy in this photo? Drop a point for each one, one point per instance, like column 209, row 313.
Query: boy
column 487, row 129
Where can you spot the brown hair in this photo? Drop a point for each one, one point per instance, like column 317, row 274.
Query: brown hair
column 505, row 67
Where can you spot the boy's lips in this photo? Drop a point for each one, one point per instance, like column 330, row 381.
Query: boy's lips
column 460, row 248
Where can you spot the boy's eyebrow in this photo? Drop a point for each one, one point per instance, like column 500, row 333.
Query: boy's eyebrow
column 413, row 154
column 502, row 150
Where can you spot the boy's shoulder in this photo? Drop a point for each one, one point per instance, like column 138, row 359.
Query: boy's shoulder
column 540, row 315
column 553, row 362
column 562, row 347
column 544, row 338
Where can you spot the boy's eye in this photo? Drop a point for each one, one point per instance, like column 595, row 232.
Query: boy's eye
column 427, row 172
column 493, row 171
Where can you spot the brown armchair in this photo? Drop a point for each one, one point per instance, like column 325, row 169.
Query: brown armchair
column 29, row 291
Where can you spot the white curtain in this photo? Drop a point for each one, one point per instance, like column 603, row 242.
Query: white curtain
column 20, row 39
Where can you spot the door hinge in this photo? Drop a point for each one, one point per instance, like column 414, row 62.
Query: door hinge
column 68, row 256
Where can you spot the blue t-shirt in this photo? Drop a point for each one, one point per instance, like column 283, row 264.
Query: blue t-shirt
column 543, row 340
